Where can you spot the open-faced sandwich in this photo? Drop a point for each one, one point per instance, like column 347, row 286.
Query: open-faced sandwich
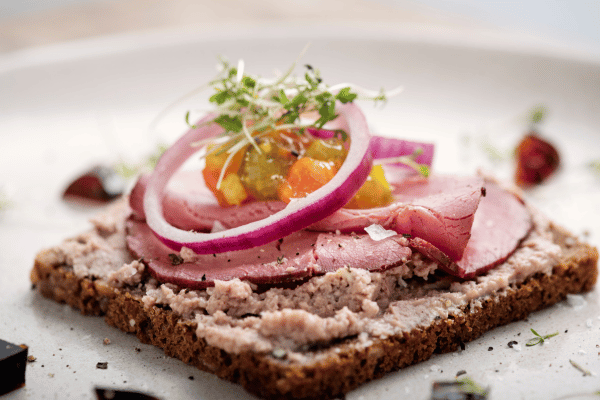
column 306, row 256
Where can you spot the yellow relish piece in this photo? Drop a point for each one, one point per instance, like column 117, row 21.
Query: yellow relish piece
column 233, row 189
column 375, row 192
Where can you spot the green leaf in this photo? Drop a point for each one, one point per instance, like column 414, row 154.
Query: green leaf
column 220, row 97
column 231, row 124
column 248, row 82
column 283, row 99
column 345, row 96
column 297, row 101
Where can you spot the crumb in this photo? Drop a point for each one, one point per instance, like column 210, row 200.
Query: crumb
column 106, row 341
column 461, row 372
column 490, row 348
column 138, row 349
column 191, row 378
column 102, row 365
column 31, row 359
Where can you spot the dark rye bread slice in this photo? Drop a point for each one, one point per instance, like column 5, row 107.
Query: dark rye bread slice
column 342, row 366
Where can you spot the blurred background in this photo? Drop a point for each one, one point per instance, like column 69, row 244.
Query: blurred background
column 27, row 23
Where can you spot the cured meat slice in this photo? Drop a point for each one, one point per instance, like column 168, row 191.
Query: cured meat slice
column 438, row 214
column 439, row 209
column 300, row 255
column 502, row 221
column 190, row 205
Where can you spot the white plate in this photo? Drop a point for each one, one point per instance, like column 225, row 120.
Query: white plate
column 66, row 107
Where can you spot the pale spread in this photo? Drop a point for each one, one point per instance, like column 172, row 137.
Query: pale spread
column 235, row 316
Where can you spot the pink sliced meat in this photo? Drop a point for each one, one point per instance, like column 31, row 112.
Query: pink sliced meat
column 502, row 221
column 190, row 205
column 300, row 255
column 439, row 209
column 440, row 214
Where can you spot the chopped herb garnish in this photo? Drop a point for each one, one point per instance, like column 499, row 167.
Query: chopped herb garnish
column 468, row 385
column 280, row 259
column 537, row 114
column 580, row 368
column 4, row 202
column 539, row 338
column 594, row 166
column 127, row 170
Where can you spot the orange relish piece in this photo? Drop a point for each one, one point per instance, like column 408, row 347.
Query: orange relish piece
column 305, row 176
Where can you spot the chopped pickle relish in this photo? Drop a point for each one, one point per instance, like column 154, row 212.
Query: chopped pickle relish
column 285, row 165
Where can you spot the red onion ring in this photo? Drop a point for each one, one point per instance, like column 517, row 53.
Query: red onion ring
column 298, row 215
column 384, row 147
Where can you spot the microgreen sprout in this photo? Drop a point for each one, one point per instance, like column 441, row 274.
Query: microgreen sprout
column 247, row 107
column 468, row 385
column 539, row 338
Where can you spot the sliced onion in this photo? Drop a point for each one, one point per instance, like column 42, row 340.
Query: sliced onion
column 298, row 215
column 384, row 147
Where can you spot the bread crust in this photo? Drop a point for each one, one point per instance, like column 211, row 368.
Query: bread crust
column 339, row 367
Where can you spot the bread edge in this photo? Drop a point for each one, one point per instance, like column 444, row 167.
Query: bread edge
column 341, row 367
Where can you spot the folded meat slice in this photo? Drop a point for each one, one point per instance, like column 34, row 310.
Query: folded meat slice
column 439, row 209
column 502, row 221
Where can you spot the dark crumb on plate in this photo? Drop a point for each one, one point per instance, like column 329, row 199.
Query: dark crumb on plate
column 461, row 372
column 490, row 348
column 118, row 394
column 512, row 343
column 102, row 365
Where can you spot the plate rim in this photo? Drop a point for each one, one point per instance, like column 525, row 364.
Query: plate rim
column 465, row 38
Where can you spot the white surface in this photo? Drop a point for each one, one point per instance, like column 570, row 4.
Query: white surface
column 67, row 107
